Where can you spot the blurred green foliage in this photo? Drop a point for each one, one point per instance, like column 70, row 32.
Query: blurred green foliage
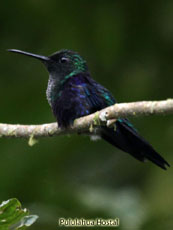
column 13, row 217
column 128, row 46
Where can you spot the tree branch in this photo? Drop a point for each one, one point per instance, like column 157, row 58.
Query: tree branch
column 87, row 124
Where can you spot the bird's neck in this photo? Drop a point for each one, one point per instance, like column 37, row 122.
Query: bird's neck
column 56, row 85
column 72, row 74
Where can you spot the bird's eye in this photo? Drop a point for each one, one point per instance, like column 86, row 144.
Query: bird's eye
column 64, row 60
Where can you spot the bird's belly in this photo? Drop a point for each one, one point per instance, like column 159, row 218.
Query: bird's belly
column 68, row 108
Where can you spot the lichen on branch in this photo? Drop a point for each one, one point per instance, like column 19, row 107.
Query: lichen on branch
column 83, row 125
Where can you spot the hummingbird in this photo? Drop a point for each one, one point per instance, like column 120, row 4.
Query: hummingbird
column 73, row 93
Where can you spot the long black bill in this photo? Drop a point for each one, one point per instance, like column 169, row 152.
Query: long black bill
column 40, row 57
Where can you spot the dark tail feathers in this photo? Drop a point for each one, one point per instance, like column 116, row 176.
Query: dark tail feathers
column 127, row 139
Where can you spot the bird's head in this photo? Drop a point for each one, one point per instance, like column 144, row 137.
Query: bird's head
column 60, row 65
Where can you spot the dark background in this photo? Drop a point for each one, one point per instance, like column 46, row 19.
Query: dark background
column 128, row 46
